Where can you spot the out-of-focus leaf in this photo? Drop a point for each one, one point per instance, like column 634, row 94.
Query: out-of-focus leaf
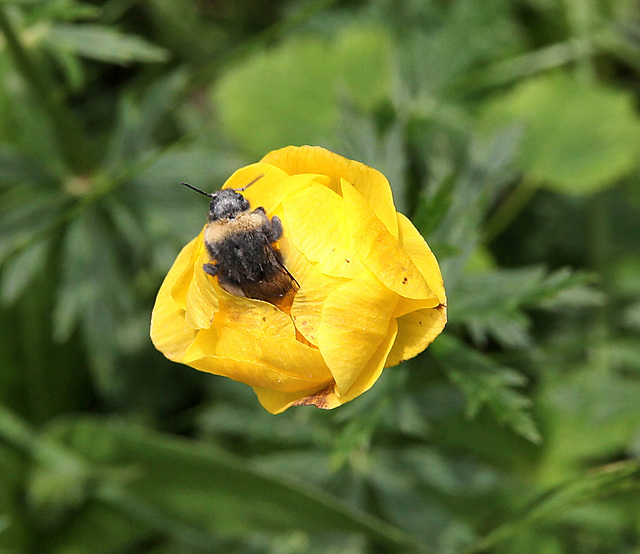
column 26, row 212
column 631, row 316
column 101, row 43
column 493, row 302
column 358, row 140
column 289, row 95
column 62, row 10
column 418, row 487
column 573, row 405
column 25, row 126
column 137, row 121
column 97, row 529
column 176, row 484
column 467, row 196
column 485, row 382
column 15, row 169
column 554, row 504
column 53, row 491
column 19, row 271
column 578, row 137
column 13, row 528
column 94, row 292
column 439, row 50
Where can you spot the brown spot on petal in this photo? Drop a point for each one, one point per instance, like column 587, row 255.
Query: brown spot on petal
column 404, row 281
column 318, row 399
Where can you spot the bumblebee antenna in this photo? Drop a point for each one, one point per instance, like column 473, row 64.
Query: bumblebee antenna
column 246, row 186
column 210, row 195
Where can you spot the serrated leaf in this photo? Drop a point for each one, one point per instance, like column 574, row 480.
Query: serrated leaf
column 100, row 42
column 485, row 382
column 494, row 302
column 579, row 137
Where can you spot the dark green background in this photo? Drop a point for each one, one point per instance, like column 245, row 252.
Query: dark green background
column 510, row 133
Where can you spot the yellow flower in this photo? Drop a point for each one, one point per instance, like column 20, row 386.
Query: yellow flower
column 371, row 293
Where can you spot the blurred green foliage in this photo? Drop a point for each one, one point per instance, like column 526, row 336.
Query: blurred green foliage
column 510, row 133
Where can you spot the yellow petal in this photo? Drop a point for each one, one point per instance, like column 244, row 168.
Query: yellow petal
column 325, row 396
column 369, row 182
column 381, row 252
column 372, row 371
column 315, row 224
column 277, row 402
column 253, row 316
column 309, row 301
column 169, row 331
column 183, row 270
column 202, row 296
column 420, row 253
column 294, row 260
column 250, row 373
column 416, row 331
column 292, row 357
column 271, row 177
column 273, row 187
column 280, row 363
column 355, row 319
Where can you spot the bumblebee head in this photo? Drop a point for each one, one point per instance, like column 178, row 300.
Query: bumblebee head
column 227, row 204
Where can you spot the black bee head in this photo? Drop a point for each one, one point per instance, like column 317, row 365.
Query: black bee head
column 227, row 204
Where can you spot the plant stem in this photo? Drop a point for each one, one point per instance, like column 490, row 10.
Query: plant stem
column 67, row 130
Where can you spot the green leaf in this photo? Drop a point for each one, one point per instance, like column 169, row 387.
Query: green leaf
column 493, row 302
column 290, row 94
column 15, row 168
column 13, row 523
column 94, row 292
column 191, row 491
column 138, row 120
column 100, row 42
column 483, row 381
column 579, row 137
column 25, row 213
column 53, row 490
column 554, row 504
column 21, row 269
column 360, row 140
column 572, row 405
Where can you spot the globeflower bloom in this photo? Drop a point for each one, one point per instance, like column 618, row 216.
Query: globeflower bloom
column 371, row 293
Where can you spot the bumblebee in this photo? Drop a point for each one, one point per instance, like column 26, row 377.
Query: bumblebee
column 242, row 247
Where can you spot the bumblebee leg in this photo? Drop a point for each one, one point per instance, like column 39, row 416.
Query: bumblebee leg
column 210, row 269
column 275, row 230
